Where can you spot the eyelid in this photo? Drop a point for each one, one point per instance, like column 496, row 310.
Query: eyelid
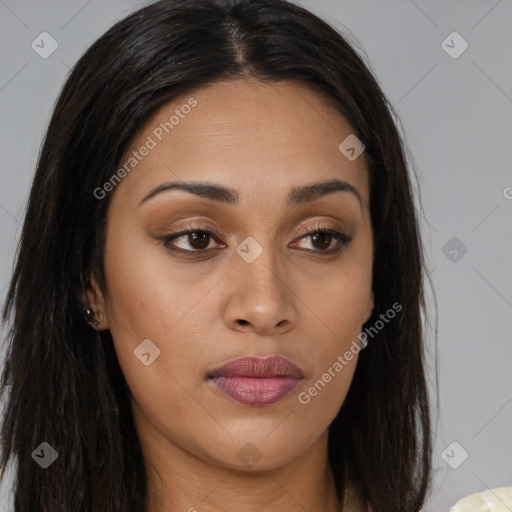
column 319, row 225
column 193, row 226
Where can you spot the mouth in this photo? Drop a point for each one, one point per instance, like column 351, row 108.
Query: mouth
column 256, row 381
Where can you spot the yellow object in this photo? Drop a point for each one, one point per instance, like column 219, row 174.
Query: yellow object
column 491, row 500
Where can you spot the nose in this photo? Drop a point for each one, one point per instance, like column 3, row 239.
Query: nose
column 261, row 300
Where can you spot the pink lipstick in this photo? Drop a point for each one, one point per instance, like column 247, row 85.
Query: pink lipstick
column 256, row 381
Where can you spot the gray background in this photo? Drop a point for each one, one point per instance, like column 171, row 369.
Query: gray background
column 457, row 121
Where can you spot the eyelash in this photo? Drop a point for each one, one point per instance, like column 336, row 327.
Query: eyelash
column 342, row 238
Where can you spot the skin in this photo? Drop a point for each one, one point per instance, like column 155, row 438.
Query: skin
column 261, row 140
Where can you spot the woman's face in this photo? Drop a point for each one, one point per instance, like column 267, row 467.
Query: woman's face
column 258, row 286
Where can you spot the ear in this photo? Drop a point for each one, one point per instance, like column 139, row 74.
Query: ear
column 93, row 298
column 370, row 306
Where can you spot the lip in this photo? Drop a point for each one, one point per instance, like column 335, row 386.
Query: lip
column 256, row 381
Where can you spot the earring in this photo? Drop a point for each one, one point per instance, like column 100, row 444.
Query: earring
column 90, row 316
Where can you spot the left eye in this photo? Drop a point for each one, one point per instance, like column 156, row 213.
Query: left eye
column 322, row 238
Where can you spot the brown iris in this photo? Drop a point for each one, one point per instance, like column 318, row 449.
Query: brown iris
column 324, row 237
column 199, row 239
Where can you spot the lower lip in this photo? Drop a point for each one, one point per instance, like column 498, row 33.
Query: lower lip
column 256, row 391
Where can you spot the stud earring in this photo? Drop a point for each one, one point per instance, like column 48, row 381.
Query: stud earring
column 90, row 316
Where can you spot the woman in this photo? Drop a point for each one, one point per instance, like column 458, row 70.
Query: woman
column 220, row 222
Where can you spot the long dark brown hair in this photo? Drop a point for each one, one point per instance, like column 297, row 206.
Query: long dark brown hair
column 65, row 388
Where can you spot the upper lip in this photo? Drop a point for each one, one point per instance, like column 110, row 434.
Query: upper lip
column 253, row 366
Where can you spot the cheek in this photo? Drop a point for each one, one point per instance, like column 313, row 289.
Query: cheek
column 147, row 292
column 149, row 298
column 340, row 299
column 322, row 396
column 342, row 305
column 342, row 309
column 158, row 333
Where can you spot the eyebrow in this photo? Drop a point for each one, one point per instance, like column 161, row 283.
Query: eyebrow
column 297, row 195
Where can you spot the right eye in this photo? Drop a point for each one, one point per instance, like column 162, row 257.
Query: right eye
column 196, row 237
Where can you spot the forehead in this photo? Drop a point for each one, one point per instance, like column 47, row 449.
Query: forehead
column 251, row 135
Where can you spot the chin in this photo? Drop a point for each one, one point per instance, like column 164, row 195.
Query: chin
column 259, row 452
